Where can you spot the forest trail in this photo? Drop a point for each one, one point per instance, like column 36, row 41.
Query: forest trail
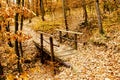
column 90, row 61
column 93, row 60
column 60, row 50
column 64, row 52
column 97, row 56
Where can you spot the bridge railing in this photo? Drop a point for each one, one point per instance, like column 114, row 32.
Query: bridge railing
column 42, row 40
column 71, row 32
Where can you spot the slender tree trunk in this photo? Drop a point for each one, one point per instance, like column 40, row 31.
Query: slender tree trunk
column 42, row 10
column 21, row 27
column 85, row 12
column 16, row 41
column 1, row 73
column 16, row 23
column 0, row 5
column 8, row 27
column 99, row 17
column 33, row 5
column 8, row 30
column 37, row 14
column 1, row 69
column 7, row 1
column 8, row 24
column 0, row 24
column 65, row 16
column 22, row 16
column 30, row 16
column 0, row 27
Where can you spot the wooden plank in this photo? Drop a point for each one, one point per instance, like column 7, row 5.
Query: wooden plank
column 72, row 32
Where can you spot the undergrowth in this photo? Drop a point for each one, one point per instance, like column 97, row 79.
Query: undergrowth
column 45, row 26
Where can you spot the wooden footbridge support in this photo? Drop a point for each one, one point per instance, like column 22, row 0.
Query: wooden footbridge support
column 47, row 47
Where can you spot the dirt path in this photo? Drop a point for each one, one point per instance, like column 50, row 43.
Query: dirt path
column 90, row 62
column 63, row 51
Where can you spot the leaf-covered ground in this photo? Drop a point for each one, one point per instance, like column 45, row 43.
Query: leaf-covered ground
column 98, row 57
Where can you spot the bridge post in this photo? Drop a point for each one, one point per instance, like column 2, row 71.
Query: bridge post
column 41, row 42
column 60, row 36
column 52, row 53
column 75, row 39
column 51, row 48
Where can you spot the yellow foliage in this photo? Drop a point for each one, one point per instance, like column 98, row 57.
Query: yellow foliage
column 12, row 56
column 10, row 77
column 45, row 26
column 36, row 69
column 24, row 76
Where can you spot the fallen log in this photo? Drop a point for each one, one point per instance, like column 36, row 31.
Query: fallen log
column 46, row 53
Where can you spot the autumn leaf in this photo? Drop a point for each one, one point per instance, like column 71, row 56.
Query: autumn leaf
column 10, row 77
column 1, row 18
column 24, row 76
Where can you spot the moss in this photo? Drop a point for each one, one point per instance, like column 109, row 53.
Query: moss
column 45, row 26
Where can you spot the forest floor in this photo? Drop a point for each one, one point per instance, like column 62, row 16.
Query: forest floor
column 98, row 57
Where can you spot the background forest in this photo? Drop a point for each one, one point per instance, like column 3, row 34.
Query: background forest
column 97, row 23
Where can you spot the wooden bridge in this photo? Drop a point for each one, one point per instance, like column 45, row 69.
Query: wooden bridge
column 53, row 49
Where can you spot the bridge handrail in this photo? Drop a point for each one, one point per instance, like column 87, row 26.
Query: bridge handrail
column 72, row 32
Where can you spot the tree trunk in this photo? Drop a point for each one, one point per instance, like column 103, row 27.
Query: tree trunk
column 16, row 41
column 0, row 24
column 0, row 27
column 37, row 14
column 28, row 6
column 8, row 30
column 22, row 16
column 99, row 17
column 8, row 27
column 65, row 16
column 33, row 7
column 21, row 27
column 85, row 12
column 1, row 73
column 1, row 69
column 42, row 10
